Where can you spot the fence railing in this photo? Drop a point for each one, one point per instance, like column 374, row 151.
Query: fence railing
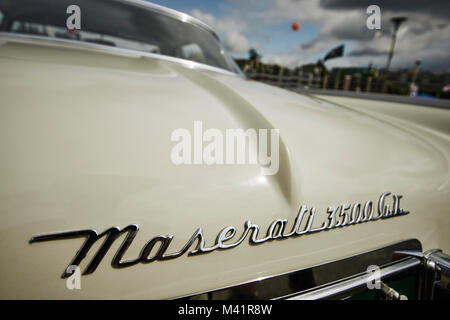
column 356, row 82
column 363, row 86
column 307, row 80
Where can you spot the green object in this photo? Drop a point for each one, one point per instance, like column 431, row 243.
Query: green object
column 405, row 286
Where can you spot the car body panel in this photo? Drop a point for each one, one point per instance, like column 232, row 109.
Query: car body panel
column 85, row 143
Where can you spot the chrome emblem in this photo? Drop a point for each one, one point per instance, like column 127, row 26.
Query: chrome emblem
column 338, row 216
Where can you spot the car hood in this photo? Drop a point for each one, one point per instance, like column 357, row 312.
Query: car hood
column 86, row 144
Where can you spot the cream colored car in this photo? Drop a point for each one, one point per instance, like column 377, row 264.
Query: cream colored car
column 92, row 204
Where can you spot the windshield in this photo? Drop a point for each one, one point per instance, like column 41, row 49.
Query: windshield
column 123, row 24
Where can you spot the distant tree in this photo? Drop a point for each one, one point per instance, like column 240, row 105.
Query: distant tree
column 253, row 55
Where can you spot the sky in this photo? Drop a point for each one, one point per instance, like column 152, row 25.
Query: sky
column 324, row 24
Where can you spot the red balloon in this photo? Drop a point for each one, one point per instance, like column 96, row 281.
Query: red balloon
column 295, row 26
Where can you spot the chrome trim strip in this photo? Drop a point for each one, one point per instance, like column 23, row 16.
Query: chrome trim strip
column 357, row 282
column 295, row 282
column 114, row 50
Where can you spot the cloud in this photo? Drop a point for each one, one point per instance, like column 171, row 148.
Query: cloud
column 366, row 52
column 424, row 36
column 236, row 42
column 288, row 60
column 434, row 8
column 231, row 30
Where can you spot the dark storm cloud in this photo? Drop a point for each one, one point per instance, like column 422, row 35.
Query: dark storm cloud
column 366, row 52
column 437, row 63
column 436, row 8
column 352, row 30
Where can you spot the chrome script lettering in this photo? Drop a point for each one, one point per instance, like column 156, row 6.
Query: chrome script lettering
column 338, row 217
